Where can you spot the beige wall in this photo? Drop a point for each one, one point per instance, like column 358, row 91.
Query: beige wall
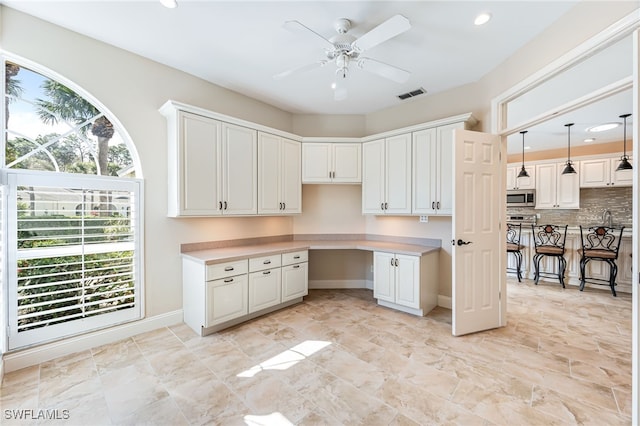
column 134, row 88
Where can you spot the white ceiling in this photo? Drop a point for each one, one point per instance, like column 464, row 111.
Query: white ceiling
column 241, row 45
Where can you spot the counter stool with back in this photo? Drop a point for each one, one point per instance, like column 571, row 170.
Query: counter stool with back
column 514, row 231
column 600, row 243
column 549, row 240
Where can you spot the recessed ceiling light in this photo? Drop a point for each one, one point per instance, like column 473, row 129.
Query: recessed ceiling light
column 482, row 18
column 590, row 140
column 171, row 4
column 602, row 127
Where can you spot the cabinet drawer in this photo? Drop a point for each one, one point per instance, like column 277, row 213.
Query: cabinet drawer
column 228, row 269
column 264, row 262
column 295, row 257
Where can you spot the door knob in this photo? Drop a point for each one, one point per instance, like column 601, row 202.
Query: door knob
column 463, row 243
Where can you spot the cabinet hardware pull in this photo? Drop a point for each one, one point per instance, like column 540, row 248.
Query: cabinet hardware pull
column 296, row 266
column 396, row 262
column 381, row 206
column 386, row 206
column 266, row 262
column 266, row 272
column 229, row 280
column 220, row 206
column 225, row 205
column 284, row 206
column 228, row 268
column 438, row 205
column 433, row 205
column 296, row 257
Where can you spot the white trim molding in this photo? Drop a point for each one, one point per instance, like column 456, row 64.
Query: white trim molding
column 33, row 356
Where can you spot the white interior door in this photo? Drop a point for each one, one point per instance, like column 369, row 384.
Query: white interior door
column 478, row 261
column 635, row 336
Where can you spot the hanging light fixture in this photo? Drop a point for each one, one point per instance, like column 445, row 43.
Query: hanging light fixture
column 523, row 171
column 624, row 160
column 568, row 168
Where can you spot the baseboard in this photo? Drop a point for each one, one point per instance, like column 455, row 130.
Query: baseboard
column 342, row 284
column 32, row 356
column 444, row 301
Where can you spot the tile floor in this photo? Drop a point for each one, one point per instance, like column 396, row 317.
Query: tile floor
column 339, row 359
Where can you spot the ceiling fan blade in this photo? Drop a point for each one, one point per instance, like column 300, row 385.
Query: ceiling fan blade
column 300, row 69
column 383, row 32
column 384, row 70
column 304, row 31
column 340, row 89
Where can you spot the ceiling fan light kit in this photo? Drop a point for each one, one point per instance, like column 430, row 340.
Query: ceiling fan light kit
column 344, row 49
column 624, row 160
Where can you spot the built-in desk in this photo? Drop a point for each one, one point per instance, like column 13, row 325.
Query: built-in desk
column 225, row 283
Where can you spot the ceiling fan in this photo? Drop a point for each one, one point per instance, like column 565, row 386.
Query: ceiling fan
column 345, row 49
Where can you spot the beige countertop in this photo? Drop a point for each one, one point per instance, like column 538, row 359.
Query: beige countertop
column 226, row 254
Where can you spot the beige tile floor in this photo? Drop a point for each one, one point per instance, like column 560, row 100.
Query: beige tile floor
column 338, row 358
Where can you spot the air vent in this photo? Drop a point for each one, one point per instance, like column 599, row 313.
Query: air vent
column 411, row 94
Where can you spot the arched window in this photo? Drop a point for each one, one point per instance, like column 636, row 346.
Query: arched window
column 71, row 203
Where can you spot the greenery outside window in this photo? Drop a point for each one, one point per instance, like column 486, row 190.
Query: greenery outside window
column 71, row 213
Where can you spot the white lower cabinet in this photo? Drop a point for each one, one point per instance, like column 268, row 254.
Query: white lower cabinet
column 407, row 283
column 220, row 295
column 226, row 299
column 264, row 289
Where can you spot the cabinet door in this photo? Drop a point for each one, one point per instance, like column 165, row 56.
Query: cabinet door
column 595, row 173
column 423, row 187
column 444, row 169
column 622, row 177
column 199, row 169
column 264, row 289
column 316, row 162
column 373, row 177
column 407, row 281
column 347, row 163
column 384, row 276
column 568, row 192
column 240, row 170
column 295, row 281
column 398, row 174
column 269, row 199
column 546, row 177
column 226, row 299
column 290, row 178
column 512, row 172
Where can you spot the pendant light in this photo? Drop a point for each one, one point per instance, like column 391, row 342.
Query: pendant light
column 523, row 172
column 624, row 160
column 568, row 168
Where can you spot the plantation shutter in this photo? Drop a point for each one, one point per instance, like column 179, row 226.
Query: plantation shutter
column 74, row 255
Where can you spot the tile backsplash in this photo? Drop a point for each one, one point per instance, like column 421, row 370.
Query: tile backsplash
column 593, row 202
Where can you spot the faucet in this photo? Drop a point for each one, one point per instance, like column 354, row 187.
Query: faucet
column 607, row 219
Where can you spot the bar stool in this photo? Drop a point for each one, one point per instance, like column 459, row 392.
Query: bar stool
column 600, row 243
column 549, row 240
column 513, row 246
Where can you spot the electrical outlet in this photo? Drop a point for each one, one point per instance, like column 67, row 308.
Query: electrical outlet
column 424, row 219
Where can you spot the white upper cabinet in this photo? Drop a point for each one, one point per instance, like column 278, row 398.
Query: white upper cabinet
column 601, row 172
column 514, row 182
column 331, row 162
column 432, row 170
column 279, row 183
column 212, row 166
column 239, row 170
column 555, row 190
column 386, row 176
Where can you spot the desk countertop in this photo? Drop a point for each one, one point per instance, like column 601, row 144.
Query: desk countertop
column 226, row 254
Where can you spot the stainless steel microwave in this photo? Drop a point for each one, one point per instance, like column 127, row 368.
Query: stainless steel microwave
column 521, row 198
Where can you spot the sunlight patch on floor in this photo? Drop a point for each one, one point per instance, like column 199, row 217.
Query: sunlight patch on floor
column 288, row 358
